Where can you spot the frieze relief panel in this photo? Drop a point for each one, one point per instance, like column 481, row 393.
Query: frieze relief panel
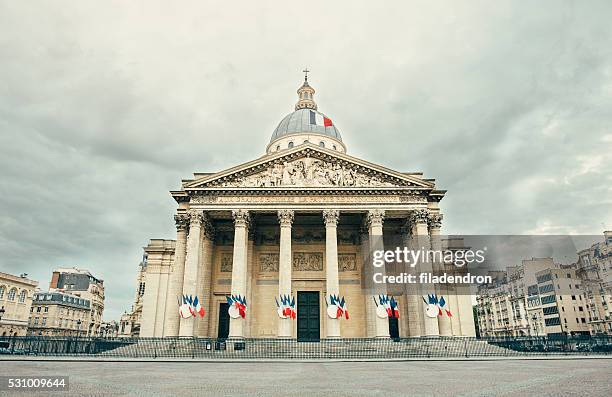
column 309, row 172
column 268, row 262
column 227, row 260
column 310, row 199
column 307, row 261
column 347, row 262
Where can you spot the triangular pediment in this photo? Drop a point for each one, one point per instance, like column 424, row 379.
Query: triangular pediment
column 308, row 166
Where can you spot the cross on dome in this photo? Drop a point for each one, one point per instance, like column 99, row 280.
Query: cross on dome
column 305, row 94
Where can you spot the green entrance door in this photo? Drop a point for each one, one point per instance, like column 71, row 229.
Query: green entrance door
column 224, row 321
column 308, row 324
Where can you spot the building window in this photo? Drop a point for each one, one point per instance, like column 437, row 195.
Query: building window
column 306, row 141
column 335, row 148
column 552, row 321
column 22, row 296
column 290, row 145
column 11, row 294
column 277, row 148
column 2, row 292
column 322, row 144
column 546, row 288
column 38, row 309
column 550, row 310
column 44, row 321
column 46, row 309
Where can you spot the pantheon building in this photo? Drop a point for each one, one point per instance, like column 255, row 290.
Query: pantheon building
column 295, row 226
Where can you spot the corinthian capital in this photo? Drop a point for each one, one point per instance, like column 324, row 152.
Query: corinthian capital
column 195, row 217
column 419, row 216
column 285, row 217
column 330, row 217
column 207, row 227
column 435, row 220
column 241, row 218
column 375, row 218
column 181, row 221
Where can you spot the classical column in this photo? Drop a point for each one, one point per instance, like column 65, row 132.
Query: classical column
column 250, row 277
column 368, row 273
column 413, row 320
column 285, row 218
column 205, row 278
column 332, row 282
column 444, row 322
column 192, row 260
column 239, row 267
column 375, row 227
column 175, row 282
column 419, row 218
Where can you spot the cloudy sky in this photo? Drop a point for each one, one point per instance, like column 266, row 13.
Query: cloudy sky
column 105, row 106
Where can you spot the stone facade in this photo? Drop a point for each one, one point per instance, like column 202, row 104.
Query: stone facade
column 129, row 324
column 16, row 294
column 59, row 314
column 297, row 220
column 82, row 283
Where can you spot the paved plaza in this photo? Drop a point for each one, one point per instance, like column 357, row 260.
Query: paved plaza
column 585, row 377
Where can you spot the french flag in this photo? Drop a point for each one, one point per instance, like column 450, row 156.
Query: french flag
column 319, row 119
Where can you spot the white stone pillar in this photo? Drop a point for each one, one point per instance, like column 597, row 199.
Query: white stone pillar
column 205, row 278
column 285, row 218
column 465, row 312
column 419, row 219
column 435, row 223
column 175, row 282
column 239, row 267
column 332, row 282
column 250, row 277
column 413, row 320
column 192, row 260
column 375, row 227
column 368, row 271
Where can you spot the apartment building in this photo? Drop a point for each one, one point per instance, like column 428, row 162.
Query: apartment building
column 82, row 283
column 536, row 298
column 594, row 267
column 59, row 314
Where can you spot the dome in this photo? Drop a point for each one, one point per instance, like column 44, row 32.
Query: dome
column 299, row 122
column 305, row 125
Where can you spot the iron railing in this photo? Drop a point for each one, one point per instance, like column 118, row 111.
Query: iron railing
column 354, row 348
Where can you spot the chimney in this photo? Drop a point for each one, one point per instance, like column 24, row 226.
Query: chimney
column 54, row 280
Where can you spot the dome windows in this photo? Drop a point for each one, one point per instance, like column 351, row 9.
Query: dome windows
column 322, row 144
column 290, row 145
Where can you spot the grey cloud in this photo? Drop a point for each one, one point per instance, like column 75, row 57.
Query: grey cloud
column 104, row 108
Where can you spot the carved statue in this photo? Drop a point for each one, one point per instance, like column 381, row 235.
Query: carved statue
column 309, row 172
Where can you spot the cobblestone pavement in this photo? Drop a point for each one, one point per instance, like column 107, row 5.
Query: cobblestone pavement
column 416, row 378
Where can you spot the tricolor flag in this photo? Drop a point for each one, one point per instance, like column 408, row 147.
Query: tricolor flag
column 198, row 308
column 319, row 119
column 185, row 308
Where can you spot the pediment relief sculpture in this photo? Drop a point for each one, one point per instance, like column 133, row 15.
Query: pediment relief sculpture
column 309, row 172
